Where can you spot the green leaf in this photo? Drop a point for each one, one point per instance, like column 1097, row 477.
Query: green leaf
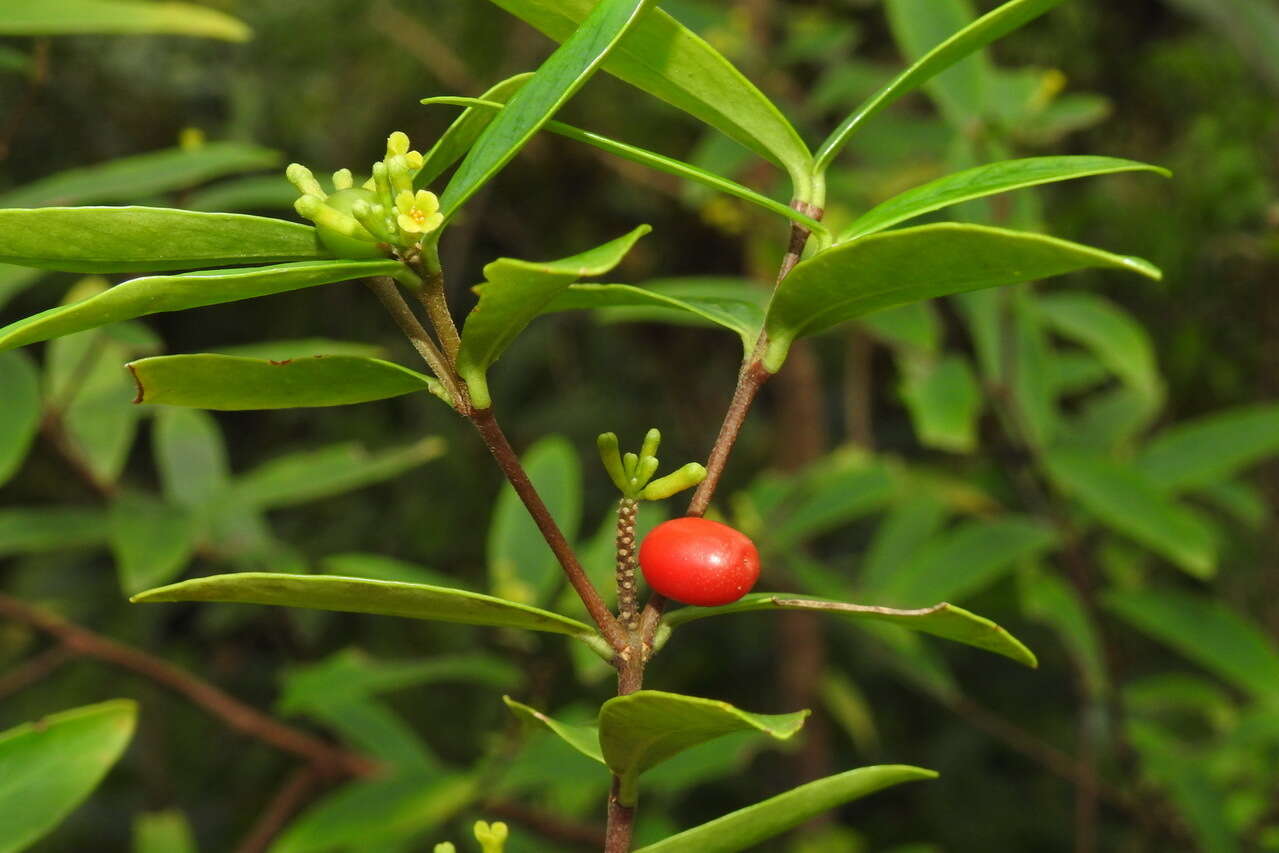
column 940, row 620
column 1118, row 340
column 230, row 383
column 141, row 297
column 667, row 60
column 912, row 264
column 702, row 301
column 745, row 828
column 967, row 41
column 918, row 26
column 985, row 181
column 965, row 559
column 465, row 129
column 148, row 239
column 944, row 400
column 1206, row 631
column 152, row 540
column 32, row 531
column 352, row 674
column 375, row 730
column 314, row 474
column 1029, row 374
column 364, row 814
column 1201, row 802
column 301, row 348
column 1126, row 501
column 50, row 766
column 660, row 162
column 514, row 293
column 584, row 738
column 72, row 17
column 642, row 729
column 162, row 832
column 1052, row 601
column 191, row 458
column 377, row 567
column 914, row 326
column 1200, row 452
column 557, row 80
column 829, row 495
column 20, row 415
column 351, row 595
column 129, row 179
column 521, row 564
column 900, row 535
column 256, row 192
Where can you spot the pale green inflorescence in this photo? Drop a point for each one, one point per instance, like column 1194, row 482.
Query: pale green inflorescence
column 632, row 472
column 492, row 838
column 383, row 214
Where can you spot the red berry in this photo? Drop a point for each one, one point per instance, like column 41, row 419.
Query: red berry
column 697, row 561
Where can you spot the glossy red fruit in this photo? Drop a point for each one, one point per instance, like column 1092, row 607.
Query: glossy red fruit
column 697, row 561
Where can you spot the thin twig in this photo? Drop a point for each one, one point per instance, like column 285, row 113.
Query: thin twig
column 509, row 462
column 627, row 608
column 288, row 800
column 752, row 377
column 231, row 711
column 388, row 294
column 433, row 299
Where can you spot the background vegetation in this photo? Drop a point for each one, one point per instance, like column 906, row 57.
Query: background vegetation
column 911, row 458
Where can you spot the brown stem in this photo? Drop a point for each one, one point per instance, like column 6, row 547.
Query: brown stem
column 436, row 303
column 231, row 711
column 288, row 800
column 749, row 381
column 509, row 462
column 627, row 606
column 621, row 822
column 388, row 294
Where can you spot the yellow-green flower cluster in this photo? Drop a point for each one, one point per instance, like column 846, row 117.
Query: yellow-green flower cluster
column 385, row 211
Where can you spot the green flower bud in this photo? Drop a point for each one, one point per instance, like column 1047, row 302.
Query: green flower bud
column 612, row 459
column 300, row 176
column 629, row 463
column 343, row 180
column 397, row 143
column 645, row 470
column 445, row 847
column 339, row 230
column 652, row 440
column 685, row 478
column 382, row 183
column 397, row 168
column 492, row 837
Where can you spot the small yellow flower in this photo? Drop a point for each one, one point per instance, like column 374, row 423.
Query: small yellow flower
column 418, row 213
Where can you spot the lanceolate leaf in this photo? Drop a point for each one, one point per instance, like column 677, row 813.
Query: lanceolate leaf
column 1118, row 340
column 465, row 129
column 1129, row 503
column 1208, row 632
column 229, row 383
column 50, row 766
column 912, row 264
column 1207, row 450
column 748, row 827
column 584, row 738
column 32, row 531
column 154, row 294
column 964, row 43
column 351, row 595
column 133, row 178
column 152, row 540
column 314, row 474
column 657, row 161
column 567, row 69
column 148, row 239
column 941, row 620
column 667, row 60
column 68, row 17
column 645, row 728
column 985, row 181
column 962, row 90
column 690, row 300
column 514, row 293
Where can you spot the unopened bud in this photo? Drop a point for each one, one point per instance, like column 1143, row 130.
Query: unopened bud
column 300, row 176
column 685, row 478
